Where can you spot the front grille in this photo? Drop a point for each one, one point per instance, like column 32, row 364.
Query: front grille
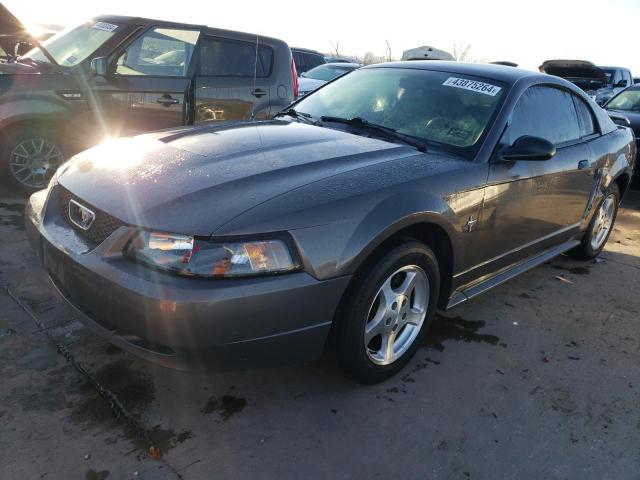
column 103, row 225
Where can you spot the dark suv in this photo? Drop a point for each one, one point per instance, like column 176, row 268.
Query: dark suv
column 122, row 75
column 306, row 59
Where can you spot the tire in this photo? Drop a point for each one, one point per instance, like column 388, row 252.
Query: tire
column 595, row 238
column 367, row 315
column 29, row 156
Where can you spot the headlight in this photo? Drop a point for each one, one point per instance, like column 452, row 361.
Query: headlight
column 186, row 255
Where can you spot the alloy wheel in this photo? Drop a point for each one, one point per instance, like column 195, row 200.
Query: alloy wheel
column 34, row 161
column 603, row 222
column 396, row 315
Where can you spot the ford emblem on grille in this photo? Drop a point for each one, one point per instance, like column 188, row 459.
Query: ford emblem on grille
column 80, row 215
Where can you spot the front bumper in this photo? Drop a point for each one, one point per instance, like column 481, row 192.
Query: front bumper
column 179, row 322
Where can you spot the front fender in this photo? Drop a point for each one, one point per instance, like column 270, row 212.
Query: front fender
column 392, row 215
column 20, row 104
column 340, row 248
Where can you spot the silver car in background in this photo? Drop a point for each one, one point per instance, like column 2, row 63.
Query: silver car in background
column 316, row 77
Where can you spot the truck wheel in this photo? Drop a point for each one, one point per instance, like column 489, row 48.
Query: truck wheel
column 600, row 227
column 30, row 156
column 387, row 312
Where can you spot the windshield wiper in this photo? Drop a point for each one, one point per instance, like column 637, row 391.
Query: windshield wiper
column 302, row 116
column 386, row 132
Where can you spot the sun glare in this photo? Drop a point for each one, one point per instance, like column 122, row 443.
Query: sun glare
column 115, row 154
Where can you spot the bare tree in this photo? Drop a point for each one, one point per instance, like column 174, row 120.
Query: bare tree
column 335, row 47
column 462, row 54
column 368, row 58
column 389, row 57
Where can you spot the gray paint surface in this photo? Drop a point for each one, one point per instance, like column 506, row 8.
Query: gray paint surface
column 337, row 195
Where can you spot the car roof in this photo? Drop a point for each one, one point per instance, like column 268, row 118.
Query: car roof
column 612, row 68
column 125, row 20
column 139, row 20
column 305, row 50
column 497, row 72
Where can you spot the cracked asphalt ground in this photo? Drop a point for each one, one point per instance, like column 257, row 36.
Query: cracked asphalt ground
column 540, row 378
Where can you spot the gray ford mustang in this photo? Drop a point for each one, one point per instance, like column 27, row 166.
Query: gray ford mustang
column 352, row 216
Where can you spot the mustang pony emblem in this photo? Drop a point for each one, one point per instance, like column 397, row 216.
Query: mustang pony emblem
column 80, row 215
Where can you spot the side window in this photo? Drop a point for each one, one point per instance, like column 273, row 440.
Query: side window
column 314, row 60
column 163, row 52
column 228, row 58
column 544, row 112
column 617, row 76
column 299, row 59
column 627, row 77
column 585, row 117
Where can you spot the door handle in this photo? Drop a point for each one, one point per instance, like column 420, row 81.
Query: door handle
column 583, row 164
column 258, row 92
column 167, row 100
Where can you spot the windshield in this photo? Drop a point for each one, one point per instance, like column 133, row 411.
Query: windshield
column 627, row 101
column 440, row 107
column 72, row 46
column 326, row 72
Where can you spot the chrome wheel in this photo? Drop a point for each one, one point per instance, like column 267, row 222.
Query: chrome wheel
column 396, row 315
column 603, row 222
column 34, row 161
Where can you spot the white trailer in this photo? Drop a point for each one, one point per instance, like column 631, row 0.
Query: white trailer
column 426, row 53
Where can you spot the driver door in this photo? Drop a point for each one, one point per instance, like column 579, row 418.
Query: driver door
column 533, row 205
column 149, row 83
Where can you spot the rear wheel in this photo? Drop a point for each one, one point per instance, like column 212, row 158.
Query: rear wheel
column 30, row 157
column 601, row 226
column 387, row 312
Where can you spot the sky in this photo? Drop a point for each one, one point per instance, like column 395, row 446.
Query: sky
column 527, row 33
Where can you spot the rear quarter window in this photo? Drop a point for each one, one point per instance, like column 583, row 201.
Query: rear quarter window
column 586, row 121
column 298, row 58
column 313, row 60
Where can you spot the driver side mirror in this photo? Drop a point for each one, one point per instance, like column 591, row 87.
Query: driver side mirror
column 528, row 147
column 98, row 67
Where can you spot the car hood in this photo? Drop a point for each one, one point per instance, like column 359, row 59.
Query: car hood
column 10, row 25
column 584, row 74
column 12, row 31
column 196, row 180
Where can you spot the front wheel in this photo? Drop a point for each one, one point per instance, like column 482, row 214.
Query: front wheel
column 31, row 156
column 387, row 312
column 600, row 227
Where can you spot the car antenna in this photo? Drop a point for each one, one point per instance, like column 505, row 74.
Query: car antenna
column 255, row 76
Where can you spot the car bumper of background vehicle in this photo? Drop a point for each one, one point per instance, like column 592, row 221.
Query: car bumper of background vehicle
column 191, row 323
